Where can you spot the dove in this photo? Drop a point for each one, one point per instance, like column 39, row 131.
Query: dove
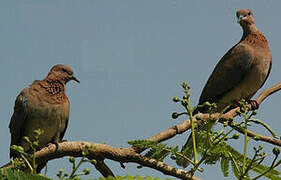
column 241, row 72
column 43, row 105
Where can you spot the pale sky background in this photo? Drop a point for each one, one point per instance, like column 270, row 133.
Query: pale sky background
column 131, row 57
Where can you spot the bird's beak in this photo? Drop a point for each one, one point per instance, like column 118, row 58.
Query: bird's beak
column 75, row 79
column 239, row 19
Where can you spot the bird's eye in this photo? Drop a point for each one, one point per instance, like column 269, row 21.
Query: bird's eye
column 249, row 13
column 64, row 70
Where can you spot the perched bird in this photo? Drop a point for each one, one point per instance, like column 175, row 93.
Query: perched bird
column 43, row 105
column 242, row 71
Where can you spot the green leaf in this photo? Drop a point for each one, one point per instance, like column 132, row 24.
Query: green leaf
column 150, row 152
column 149, row 178
column 129, row 177
column 257, row 168
column 142, row 143
column 17, row 148
column 159, row 152
column 120, row 178
column 139, row 177
column 225, row 166
column 234, row 169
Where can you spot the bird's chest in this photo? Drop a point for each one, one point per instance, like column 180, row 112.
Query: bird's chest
column 51, row 118
column 50, row 114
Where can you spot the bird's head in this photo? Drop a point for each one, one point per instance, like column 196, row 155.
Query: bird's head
column 62, row 73
column 245, row 17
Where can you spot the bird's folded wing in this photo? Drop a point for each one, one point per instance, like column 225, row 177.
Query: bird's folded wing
column 18, row 119
column 228, row 73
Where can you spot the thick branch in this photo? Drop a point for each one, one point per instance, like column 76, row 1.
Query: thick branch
column 263, row 95
column 102, row 151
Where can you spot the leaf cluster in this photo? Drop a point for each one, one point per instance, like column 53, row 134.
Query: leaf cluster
column 220, row 152
column 157, row 151
column 17, row 174
column 29, row 158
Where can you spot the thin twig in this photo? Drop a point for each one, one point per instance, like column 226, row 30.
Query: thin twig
column 273, row 165
column 257, row 121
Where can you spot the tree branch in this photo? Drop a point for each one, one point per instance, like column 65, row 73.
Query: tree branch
column 103, row 168
column 101, row 151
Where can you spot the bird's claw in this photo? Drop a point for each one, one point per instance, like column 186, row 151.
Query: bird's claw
column 254, row 104
column 237, row 103
column 54, row 143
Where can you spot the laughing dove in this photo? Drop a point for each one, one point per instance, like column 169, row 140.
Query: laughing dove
column 43, row 105
column 242, row 71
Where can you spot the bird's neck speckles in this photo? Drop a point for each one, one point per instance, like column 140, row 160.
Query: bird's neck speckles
column 54, row 89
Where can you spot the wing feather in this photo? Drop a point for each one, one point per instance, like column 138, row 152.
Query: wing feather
column 229, row 72
column 18, row 119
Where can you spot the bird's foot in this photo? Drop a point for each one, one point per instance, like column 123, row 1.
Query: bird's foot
column 55, row 143
column 240, row 105
column 237, row 103
column 254, row 104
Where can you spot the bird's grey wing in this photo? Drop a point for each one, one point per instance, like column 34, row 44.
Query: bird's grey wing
column 268, row 72
column 64, row 130
column 228, row 73
column 66, row 118
column 18, row 119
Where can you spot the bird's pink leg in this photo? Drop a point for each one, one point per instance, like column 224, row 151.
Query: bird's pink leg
column 237, row 103
column 56, row 142
column 254, row 104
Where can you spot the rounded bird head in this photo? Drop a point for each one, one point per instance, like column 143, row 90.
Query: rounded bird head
column 62, row 73
column 245, row 17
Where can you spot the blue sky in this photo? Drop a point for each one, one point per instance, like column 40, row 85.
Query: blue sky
column 131, row 57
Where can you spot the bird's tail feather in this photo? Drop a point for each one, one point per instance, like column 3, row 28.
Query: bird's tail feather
column 40, row 167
